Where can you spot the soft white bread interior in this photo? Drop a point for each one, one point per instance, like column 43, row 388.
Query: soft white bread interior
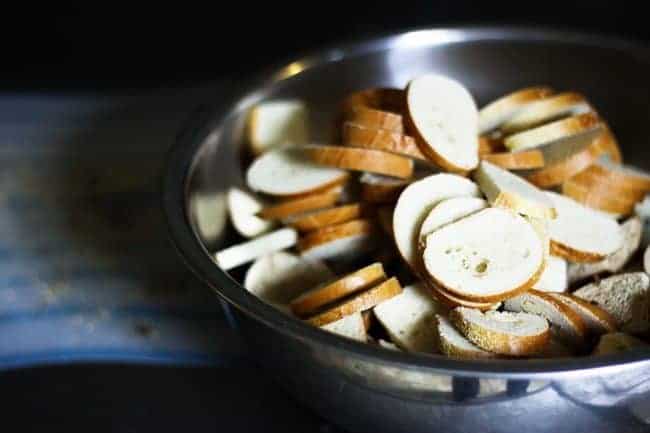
column 277, row 123
column 554, row 277
column 454, row 344
column 245, row 252
column 351, row 326
column 493, row 115
column 507, row 190
column 486, row 256
column 547, row 110
column 409, row 319
column 449, row 211
column 579, row 234
column 416, row 201
column 444, row 119
column 242, row 207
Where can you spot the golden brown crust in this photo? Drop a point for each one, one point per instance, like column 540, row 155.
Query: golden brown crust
column 603, row 184
column 326, row 217
column 568, row 127
column 573, row 255
column 565, row 310
column 524, row 206
column 380, row 139
column 287, row 208
column 349, row 158
column 448, row 348
column 606, row 320
column 382, row 192
column 451, row 300
column 335, row 232
column 380, row 98
column 527, row 159
column 609, row 145
column 310, row 302
column 357, row 303
column 336, row 183
column 487, row 145
column 605, row 202
column 379, row 119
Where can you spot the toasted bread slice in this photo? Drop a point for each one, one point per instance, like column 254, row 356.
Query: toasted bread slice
column 454, row 344
column 567, row 323
column 444, row 120
column 547, row 110
column 414, row 205
column 554, row 277
column 376, row 188
column 513, row 334
column 579, row 234
column 279, row 277
column 242, row 209
column 409, row 319
column 526, row 159
column 379, row 119
column 622, row 175
column 356, row 135
column 351, row 326
column 248, row 251
column 507, row 190
column 596, row 320
column 295, row 206
column 357, row 303
column 350, row 158
column 298, row 175
column 599, row 200
column 493, row 115
column 277, row 123
column 624, row 296
column 616, row 342
column 342, row 241
column 311, row 301
column 485, row 257
column 615, row 262
column 451, row 300
column 602, row 185
column 310, row 221
column 448, row 211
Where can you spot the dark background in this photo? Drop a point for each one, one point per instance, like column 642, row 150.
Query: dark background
column 118, row 48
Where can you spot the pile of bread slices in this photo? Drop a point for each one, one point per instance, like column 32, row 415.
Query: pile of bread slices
column 436, row 227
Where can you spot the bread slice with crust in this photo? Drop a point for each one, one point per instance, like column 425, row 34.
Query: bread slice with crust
column 597, row 198
column 350, row 158
column 356, row 135
column 339, row 242
column 242, row 210
column 351, row 326
column 248, row 251
column 526, row 159
column 454, row 344
column 513, row 334
column 554, row 277
column 448, row 211
column 320, row 218
column 565, row 129
column 597, row 320
column 452, row 301
column 277, row 123
column 547, row 110
column 493, row 115
column 295, row 206
column 485, row 257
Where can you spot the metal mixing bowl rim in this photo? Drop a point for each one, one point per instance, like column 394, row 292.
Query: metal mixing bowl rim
column 185, row 151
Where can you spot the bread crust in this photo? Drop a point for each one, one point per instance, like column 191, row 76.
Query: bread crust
column 526, row 159
column 326, row 217
column 553, row 131
column 299, row 205
column 332, row 233
column 349, row 158
column 356, row 135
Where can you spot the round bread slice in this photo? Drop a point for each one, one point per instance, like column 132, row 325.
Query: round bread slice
column 376, row 188
column 448, row 211
column 567, row 324
column 325, row 217
column 248, row 251
column 564, row 129
column 287, row 172
column 351, row 326
column 579, row 234
column 452, row 301
column 485, row 257
column 512, row 334
column 626, row 176
column 311, row 301
column 350, row 158
column 242, row 208
column 453, row 344
column 602, row 185
column 547, row 110
column 526, row 159
column 378, row 119
column 415, row 203
column 602, row 201
column 356, row 135
column 343, row 241
column 277, row 123
column 279, row 277
column 358, row 302
column 617, row 342
column 493, row 115
column 596, row 320
column 507, row 190
column 554, row 277
column 295, row 206
column 443, row 117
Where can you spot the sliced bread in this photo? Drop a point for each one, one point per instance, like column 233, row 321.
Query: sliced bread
column 356, row 135
column 453, row 344
column 376, row 188
column 554, row 277
column 565, row 129
column 547, row 110
column 277, row 123
column 597, row 320
column 526, row 159
column 493, row 115
column 242, row 210
column 380, row 98
column 343, row 241
column 351, row 326
column 351, row 158
column 448, row 211
column 317, row 219
column 248, row 251
column 616, row 342
column 451, row 300
column 598, row 199
column 375, row 118
column 295, row 206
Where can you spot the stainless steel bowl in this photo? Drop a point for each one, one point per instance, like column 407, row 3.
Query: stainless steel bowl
column 366, row 388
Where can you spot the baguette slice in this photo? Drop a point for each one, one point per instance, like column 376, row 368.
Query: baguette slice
column 598, row 200
column 567, row 324
column 350, row 158
column 547, row 110
column 625, row 176
column 340, row 242
column 380, row 139
column 596, row 320
column 507, row 190
column 452, row 301
column 485, row 257
column 624, row 296
column 287, row 172
column 311, row 301
column 448, row 211
column 279, row 277
column 309, row 221
column 513, row 334
column 616, row 342
column 351, row 326
column 248, row 251
column 443, row 117
column 376, row 188
column 526, row 159
column 409, row 319
column 554, row 277
column 581, row 235
column 414, row 205
column 357, row 303
column 295, row 206
column 454, row 344
column 242, row 208
column 615, row 262
column 493, row 115
column 378, row 119
column 277, row 123
column 603, row 185
column 380, row 98
column 565, row 129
